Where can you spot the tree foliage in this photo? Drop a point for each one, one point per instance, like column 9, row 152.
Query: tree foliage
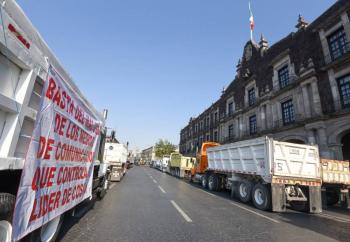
column 164, row 147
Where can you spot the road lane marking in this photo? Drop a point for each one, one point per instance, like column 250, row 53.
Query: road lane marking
column 338, row 219
column 155, row 181
column 184, row 215
column 163, row 191
column 256, row 213
column 111, row 186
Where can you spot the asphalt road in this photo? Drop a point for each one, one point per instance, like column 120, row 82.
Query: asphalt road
column 148, row 205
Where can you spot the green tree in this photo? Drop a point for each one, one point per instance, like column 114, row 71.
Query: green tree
column 164, row 147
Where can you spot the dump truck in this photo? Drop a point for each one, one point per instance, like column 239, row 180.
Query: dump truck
column 25, row 62
column 164, row 167
column 116, row 154
column 179, row 165
column 335, row 182
column 270, row 173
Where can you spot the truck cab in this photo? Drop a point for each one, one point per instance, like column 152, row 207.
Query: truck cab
column 201, row 163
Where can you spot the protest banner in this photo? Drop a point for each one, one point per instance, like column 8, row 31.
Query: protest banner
column 58, row 168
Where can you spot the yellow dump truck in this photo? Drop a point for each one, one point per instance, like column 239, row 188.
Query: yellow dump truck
column 179, row 165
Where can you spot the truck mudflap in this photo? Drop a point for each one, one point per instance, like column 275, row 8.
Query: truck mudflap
column 278, row 195
column 315, row 199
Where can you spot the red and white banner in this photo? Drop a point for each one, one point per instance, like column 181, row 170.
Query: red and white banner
column 58, row 168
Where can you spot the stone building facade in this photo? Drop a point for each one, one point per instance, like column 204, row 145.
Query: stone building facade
column 297, row 90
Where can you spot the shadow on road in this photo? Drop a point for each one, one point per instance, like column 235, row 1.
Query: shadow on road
column 333, row 222
column 70, row 221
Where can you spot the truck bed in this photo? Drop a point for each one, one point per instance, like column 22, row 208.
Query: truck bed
column 266, row 157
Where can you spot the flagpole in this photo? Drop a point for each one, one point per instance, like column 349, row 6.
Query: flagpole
column 251, row 19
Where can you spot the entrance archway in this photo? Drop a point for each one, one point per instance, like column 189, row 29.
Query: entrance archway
column 345, row 141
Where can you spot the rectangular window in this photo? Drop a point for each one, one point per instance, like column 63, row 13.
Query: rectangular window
column 216, row 136
column 216, row 116
column 288, row 112
column 283, row 76
column 251, row 96
column 208, row 137
column 230, row 131
column 344, row 90
column 252, row 124
column 338, row 44
column 230, row 108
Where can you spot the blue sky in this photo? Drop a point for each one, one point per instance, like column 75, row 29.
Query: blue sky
column 154, row 64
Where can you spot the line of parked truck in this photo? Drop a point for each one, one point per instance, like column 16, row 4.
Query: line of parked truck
column 273, row 175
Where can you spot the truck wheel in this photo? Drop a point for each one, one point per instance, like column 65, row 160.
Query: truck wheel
column 245, row 191
column 332, row 196
column 213, row 182
column 261, row 197
column 103, row 189
column 7, row 205
column 48, row 232
column 204, row 181
column 190, row 177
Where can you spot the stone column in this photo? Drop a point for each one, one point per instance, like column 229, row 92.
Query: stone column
column 306, row 101
column 322, row 139
column 274, row 115
column 275, row 82
column 237, row 133
column 346, row 24
column 325, row 46
column 263, row 117
column 311, row 137
column 334, row 89
column 269, row 121
column 316, row 98
column 279, row 114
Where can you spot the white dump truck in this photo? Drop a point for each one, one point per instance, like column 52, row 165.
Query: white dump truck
column 270, row 173
column 116, row 154
column 25, row 59
column 164, row 163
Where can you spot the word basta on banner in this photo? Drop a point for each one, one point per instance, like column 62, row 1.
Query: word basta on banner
column 58, row 168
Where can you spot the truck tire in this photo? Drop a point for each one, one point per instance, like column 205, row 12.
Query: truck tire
column 204, row 181
column 261, row 196
column 103, row 190
column 213, row 182
column 332, row 196
column 48, row 232
column 245, row 191
column 7, row 205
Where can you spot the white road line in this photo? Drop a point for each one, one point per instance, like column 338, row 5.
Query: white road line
column 155, row 181
column 258, row 214
column 111, row 186
column 163, row 191
column 338, row 219
column 184, row 215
